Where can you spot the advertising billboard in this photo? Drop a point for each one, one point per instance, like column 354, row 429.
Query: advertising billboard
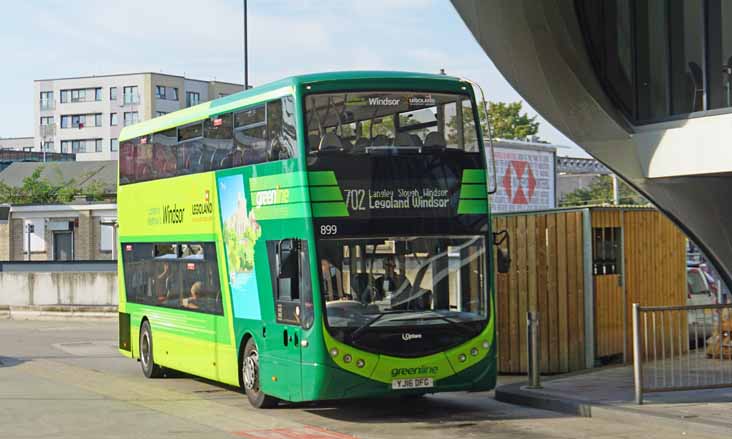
column 526, row 179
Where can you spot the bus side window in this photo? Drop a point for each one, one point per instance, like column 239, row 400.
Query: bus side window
column 218, row 136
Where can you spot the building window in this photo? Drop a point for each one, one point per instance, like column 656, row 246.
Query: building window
column 113, row 119
column 606, row 251
column 81, row 120
column 113, row 145
column 160, row 113
column 106, row 241
column 112, row 93
column 130, row 118
column 661, row 59
column 47, row 120
column 81, row 95
column 47, row 100
column 160, row 91
column 173, row 93
column 47, row 146
column 81, row 146
column 192, row 98
column 131, row 95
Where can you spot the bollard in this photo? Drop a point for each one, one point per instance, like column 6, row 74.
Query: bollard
column 532, row 326
column 637, row 371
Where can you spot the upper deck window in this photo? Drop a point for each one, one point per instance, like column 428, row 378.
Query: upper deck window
column 262, row 133
column 390, row 122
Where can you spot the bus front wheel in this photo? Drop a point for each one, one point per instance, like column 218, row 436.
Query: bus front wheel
column 149, row 368
column 250, row 377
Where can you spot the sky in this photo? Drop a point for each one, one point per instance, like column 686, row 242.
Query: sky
column 203, row 40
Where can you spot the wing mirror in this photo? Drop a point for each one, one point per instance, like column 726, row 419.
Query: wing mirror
column 503, row 254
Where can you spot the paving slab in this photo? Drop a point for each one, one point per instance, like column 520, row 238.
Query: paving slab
column 609, row 393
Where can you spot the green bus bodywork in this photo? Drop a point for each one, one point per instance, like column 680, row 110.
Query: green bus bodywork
column 303, row 369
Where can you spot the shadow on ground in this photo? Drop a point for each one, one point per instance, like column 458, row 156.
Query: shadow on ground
column 10, row 361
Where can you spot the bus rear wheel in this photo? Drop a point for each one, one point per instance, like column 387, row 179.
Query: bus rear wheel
column 149, row 368
column 250, row 377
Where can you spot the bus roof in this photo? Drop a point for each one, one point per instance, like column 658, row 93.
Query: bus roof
column 263, row 93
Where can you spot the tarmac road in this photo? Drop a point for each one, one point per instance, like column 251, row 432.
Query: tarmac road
column 65, row 379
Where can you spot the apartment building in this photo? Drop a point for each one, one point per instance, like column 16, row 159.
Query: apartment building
column 85, row 115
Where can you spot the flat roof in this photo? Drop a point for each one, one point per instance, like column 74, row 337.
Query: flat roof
column 136, row 73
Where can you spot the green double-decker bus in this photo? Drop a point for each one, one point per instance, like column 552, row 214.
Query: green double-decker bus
column 325, row 236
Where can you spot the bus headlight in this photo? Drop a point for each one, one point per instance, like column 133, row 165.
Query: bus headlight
column 462, row 358
column 486, row 345
column 334, row 352
column 347, row 358
column 474, row 352
column 360, row 363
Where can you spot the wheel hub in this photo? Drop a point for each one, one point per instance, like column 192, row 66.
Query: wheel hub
column 145, row 350
column 251, row 371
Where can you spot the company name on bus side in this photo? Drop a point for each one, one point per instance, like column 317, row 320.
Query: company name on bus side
column 172, row 215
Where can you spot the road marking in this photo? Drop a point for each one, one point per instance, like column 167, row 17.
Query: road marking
column 304, row 432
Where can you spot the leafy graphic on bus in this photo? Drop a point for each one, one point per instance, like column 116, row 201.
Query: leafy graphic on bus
column 241, row 232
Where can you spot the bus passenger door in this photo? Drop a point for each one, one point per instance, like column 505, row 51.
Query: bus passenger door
column 283, row 373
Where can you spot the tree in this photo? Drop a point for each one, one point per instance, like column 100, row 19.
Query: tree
column 600, row 191
column 39, row 190
column 507, row 120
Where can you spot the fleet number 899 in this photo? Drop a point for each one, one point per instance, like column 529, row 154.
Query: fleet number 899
column 328, row 229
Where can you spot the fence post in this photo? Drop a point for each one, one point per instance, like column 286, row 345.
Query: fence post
column 637, row 372
column 532, row 326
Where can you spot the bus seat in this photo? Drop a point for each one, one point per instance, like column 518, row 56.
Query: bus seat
column 330, row 142
column 380, row 140
column 403, row 139
column 435, row 140
column 360, row 289
column 416, row 140
column 313, row 142
column 237, row 157
column 360, row 144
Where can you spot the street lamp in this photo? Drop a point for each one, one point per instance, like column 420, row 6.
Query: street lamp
column 246, row 63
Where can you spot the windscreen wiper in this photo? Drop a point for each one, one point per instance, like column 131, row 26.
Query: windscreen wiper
column 465, row 329
column 357, row 333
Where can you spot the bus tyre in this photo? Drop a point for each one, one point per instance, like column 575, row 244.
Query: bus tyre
column 149, row 368
column 250, row 377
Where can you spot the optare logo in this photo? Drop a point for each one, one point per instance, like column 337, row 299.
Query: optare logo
column 420, row 370
column 407, row 336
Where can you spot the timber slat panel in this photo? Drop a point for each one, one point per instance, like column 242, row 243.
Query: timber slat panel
column 547, row 251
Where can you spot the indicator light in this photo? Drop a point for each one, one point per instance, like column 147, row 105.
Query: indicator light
column 360, row 363
column 462, row 358
column 347, row 358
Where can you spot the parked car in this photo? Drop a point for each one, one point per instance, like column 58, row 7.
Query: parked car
column 700, row 291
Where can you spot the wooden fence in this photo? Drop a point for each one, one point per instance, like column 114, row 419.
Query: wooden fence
column 546, row 276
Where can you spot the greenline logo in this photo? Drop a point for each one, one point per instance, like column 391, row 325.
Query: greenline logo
column 421, row 370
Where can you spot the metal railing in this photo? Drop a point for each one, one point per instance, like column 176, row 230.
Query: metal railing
column 678, row 348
